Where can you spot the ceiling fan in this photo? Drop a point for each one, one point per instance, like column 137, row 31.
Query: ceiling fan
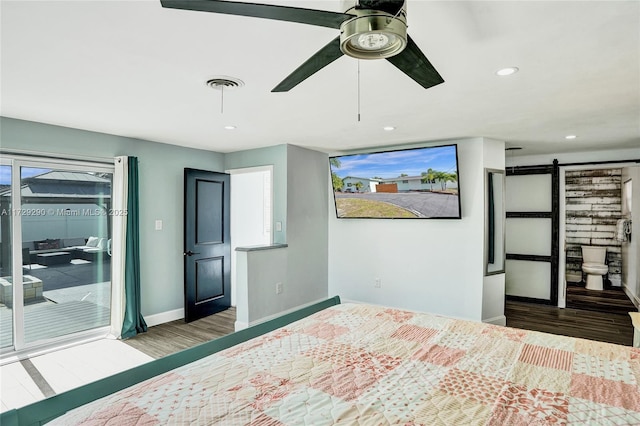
column 372, row 29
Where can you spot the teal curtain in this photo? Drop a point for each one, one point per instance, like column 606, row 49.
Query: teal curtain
column 133, row 321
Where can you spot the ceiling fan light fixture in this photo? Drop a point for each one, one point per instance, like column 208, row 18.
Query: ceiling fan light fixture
column 372, row 41
column 373, row 34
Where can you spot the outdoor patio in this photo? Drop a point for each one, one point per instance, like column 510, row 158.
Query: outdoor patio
column 78, row 272
column 76, row 297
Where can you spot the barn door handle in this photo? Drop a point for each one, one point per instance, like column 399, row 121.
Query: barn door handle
column 189, row 253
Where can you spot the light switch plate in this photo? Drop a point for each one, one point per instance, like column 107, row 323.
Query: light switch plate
column 158, row 225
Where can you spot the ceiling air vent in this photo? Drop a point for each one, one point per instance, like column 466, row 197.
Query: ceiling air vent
column 224, row 82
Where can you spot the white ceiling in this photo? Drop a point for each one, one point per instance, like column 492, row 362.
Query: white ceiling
column 133, row 68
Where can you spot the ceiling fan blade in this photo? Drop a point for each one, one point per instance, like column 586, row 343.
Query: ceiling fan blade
column 321, row 59
column 320, row 18
column 389, row 6
column 413, row 63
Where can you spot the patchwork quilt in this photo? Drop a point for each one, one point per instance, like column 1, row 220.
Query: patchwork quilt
column 365, row 365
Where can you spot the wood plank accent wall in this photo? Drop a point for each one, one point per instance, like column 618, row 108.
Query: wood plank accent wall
column 594, row 205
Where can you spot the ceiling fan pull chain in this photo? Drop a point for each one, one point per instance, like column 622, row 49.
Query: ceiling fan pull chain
column 222, row 99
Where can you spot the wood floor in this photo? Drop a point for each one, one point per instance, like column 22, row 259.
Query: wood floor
column 586, row 324
column 174, row 336
column 613, row 300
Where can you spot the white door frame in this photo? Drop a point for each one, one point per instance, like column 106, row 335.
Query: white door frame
column 245, row 170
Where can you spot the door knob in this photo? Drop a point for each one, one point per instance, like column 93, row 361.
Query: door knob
column 189, row 253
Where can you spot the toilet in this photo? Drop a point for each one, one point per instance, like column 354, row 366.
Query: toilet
column 593, row 258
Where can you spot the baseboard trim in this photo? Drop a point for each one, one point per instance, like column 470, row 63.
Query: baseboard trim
column 634, row 299
column 163, row 317
column 499, row 320
column 279, row 314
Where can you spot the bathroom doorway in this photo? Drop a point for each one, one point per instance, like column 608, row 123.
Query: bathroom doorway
column 591, row 208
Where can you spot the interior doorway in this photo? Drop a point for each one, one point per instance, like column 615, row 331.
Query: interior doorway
column 251, row 212
column 591, row 207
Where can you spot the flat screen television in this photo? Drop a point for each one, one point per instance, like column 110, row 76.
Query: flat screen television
column 414, row 183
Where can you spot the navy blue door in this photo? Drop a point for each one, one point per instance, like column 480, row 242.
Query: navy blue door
column 207, row 243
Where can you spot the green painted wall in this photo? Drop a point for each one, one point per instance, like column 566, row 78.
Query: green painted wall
column 161, row 183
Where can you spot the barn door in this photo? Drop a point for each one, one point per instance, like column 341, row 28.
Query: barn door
column 532, row 233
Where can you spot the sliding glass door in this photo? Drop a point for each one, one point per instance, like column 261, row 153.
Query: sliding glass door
column 60, row 215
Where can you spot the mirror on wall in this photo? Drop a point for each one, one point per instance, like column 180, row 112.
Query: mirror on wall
column 494, row 221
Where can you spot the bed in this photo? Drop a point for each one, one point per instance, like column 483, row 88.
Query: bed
column 360, row 364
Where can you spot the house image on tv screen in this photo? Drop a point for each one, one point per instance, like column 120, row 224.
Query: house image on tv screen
column 359, row 184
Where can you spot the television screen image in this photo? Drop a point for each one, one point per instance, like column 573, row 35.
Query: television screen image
column 415, row 183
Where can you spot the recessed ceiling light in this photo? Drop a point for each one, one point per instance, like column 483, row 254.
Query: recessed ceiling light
column 570, row 137
column 230, row 127
column 507, row 71
column 388, row 128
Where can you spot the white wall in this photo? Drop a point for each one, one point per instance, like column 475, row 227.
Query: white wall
column 426, row 265
column 493, row 285
column 631, row 250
